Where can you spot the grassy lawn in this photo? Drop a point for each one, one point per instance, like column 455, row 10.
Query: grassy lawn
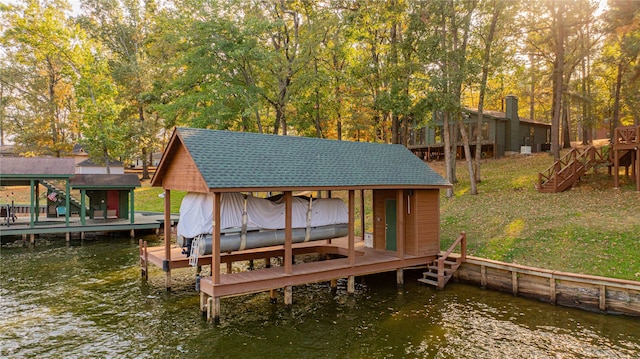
column 591, row 229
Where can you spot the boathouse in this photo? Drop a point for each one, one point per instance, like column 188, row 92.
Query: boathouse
column 58, row 199
column 400, row 188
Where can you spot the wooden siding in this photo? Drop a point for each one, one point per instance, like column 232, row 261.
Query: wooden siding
column 422, row 224
column 379, row 214
column 427, row 224
column 182, row 173
column 411, row 246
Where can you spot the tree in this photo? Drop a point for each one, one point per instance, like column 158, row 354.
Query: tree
column 39, row 47
column 123, row 27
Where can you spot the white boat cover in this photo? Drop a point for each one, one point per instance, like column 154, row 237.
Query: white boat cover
column 196, row 213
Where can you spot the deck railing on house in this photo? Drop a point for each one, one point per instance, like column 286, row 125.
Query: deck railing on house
column 627, row 135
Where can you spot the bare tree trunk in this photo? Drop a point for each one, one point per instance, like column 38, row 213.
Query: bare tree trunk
column 447, row 152
column 558, row 75
column 616, row 102
column 467, row 155
column 566, row 126
column 483, row 87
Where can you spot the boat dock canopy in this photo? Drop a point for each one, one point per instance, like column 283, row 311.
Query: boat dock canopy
column 201, row 159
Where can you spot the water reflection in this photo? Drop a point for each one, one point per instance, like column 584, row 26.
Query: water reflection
column 87, row 300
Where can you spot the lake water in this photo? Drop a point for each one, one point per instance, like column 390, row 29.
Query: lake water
column 87, row 299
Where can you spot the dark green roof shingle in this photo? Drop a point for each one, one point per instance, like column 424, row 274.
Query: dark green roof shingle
column 250, row 160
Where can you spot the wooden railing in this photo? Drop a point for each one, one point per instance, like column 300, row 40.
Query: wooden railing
column 571, row 166
column 462, row 241
column 627, row 135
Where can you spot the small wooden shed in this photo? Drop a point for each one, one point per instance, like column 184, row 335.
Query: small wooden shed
column 111, row 196
column 404, row 197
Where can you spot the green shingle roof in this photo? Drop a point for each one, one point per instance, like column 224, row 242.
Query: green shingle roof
column 250, row 160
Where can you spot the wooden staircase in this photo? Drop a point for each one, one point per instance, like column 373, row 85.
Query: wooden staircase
column 565, row 172
column 441, row 269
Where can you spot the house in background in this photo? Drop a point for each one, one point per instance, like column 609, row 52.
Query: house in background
column 503, row 133
column 88, row 167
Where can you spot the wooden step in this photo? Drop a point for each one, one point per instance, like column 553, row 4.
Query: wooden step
column 428, row 281
column 447, row 270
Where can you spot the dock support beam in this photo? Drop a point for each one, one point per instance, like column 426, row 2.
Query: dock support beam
column 334, row 285
column 167, row 236
column 351, row 284
column 213, row 310
column 273, row 296
column 400, row 276
column 288, row 295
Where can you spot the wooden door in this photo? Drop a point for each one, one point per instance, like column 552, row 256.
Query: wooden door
column 390, row 224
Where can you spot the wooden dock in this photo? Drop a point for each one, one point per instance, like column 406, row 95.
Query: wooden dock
column 22, row 226
column 335, row 264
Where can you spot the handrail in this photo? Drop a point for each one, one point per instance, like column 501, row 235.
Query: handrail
column 462, row 241
column 627, row 135
column 571, row 164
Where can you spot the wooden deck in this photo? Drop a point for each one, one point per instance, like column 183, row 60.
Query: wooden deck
column 58, row 225
column 367, row 261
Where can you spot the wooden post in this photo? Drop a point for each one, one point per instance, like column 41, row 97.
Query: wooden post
column 216, row 310
column 68, row 237
column 273, row 296
column 441, row 273
column 400, row 276
column 35, row 208
column 288, row 295
column 400, row 211
column 616, row 168
column 83, row 208
column 288, row 236
column 215, row 245
column 229, row 267
column 334, row 285
column 167, row 237
column 603, row 298
column 209, row 308
column 351, row 284
column 514, row 282
column 67, row 203
column 267, row 262
column 463, row 247
column 351, row 231
column 363, row 226
column 638, row 168
column 203, row 304
column 132, row 209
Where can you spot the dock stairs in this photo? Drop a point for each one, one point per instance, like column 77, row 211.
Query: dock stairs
column 441, row 269
column 61, row 193
column 564, row 173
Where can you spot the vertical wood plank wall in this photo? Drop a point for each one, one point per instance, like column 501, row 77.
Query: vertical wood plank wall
column 421, row 216
column 182, row 172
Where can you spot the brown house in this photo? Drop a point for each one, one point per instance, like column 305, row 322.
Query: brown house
column 404, row 193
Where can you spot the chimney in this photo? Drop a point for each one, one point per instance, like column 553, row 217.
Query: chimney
column 513, row 124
